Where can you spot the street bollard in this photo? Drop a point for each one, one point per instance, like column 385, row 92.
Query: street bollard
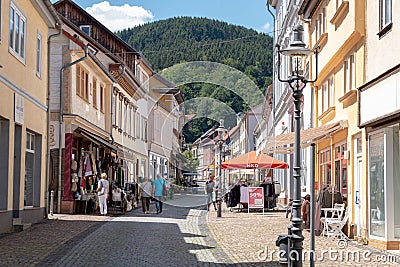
column 283, row 243
column 51, row 202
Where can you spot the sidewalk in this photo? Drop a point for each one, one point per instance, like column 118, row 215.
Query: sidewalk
column 250, row 237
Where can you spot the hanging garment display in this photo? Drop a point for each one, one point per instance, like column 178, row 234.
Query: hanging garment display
column 88, row 166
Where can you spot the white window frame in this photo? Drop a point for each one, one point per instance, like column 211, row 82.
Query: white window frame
column 20, row 52
column 82, row 27
column 348, row 68
column 384, row 13
column 138, row 126
column 39, row 48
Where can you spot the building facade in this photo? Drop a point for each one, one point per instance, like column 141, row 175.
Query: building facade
column 380, row 120
column 25, row 29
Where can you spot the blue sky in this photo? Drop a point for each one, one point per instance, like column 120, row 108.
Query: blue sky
column 119, row 14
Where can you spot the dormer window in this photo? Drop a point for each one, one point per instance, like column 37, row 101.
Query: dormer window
column 86, row 29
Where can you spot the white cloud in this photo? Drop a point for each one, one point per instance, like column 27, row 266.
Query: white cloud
column 266, row 28
column 119, row 17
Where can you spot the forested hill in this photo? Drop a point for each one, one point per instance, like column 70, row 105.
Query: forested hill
column 185, row 39
column 167, row 42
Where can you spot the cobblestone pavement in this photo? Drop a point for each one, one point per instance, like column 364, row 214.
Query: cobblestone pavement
column 250, row 238
column 177, row 237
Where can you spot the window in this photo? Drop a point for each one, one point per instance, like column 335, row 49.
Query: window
column 341, row 169
column 137, row 125
column 349, row 74
column 120, row 110
column 32, row 170
column 17, row 32
column 82, row 83
column 86, row 29
column 102, row 98
column 144, row 129
column 328, row 94
column 126, row 117
column 320, row 25
column 377, row 184
column 94, row 93
column 385, row 13
column 39, row 55
column 325, row 172
column 114, row 107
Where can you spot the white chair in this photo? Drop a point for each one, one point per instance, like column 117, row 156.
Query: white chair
column 335, row 225
column 335, row 213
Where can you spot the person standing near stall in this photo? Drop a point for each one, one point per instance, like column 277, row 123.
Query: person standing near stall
column 145, row 192
column 102, row 192
column 158, row 186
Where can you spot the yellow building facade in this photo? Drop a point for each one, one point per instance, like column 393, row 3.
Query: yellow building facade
column 26, row 27
column 338, row 28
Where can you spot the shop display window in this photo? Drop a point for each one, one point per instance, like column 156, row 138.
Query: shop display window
column 377, row 185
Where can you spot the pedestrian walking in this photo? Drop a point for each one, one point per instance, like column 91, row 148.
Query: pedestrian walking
column 102, row 192
column 209, row 190
column 159, row 185
column 145, row 190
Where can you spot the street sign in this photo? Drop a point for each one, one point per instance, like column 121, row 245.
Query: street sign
column 256, row 198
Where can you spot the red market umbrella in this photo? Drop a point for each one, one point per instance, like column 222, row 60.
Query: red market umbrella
column 252, row 161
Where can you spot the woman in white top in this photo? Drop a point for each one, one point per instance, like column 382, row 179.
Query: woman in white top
column 102, row 193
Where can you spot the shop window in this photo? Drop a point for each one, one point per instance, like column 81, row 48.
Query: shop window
column 17, row 37
column 325, row 167
column 396, row 180
column 377, row 185
column 341, row 169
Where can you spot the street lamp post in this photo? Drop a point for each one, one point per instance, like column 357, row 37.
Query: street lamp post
column 220, row 143
column 297, row 52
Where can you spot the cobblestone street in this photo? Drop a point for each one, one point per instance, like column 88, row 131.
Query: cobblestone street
column 177, row 237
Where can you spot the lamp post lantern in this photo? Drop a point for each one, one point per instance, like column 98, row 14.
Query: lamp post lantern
column 220, row 143
column 297, row 52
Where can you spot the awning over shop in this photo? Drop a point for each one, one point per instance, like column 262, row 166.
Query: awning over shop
column 283, row 144
column 96, row 139
column 253, row 161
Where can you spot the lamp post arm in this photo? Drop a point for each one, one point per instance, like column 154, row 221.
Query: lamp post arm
column 316, row 66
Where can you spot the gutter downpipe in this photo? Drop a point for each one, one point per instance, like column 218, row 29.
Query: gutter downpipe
column 61, row 124
column 313, row 158
column 59, row 23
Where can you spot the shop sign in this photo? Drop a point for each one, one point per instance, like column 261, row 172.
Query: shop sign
column 19, row 109
column 256, row 198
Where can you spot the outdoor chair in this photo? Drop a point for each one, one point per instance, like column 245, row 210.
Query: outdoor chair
column 335, row 225
column 331, row 214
